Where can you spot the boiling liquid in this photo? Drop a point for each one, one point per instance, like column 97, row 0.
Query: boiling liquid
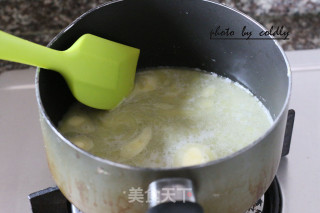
column 173, row 118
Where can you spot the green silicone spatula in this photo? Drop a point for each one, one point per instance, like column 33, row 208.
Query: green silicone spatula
column 100, row 73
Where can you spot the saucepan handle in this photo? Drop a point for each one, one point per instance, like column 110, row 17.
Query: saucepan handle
column 178, row 207
column 172, row 195
column 288, row 133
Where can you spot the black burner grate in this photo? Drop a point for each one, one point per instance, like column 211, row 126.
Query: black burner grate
column 273, row 198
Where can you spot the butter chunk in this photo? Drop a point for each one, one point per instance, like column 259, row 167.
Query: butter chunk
column 193, row 154
column 76, row 120
column 147, row 83
column 137, row 145
column 82, row 141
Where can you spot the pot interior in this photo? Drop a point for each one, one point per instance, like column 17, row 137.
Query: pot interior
column 176, row 33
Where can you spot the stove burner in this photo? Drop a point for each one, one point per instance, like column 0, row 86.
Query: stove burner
column 51, row 200
column 270, row 202
column 257, row 207
column 75, row 210
column 273, row 198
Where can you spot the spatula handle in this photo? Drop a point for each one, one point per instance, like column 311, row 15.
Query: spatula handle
column 22, row 51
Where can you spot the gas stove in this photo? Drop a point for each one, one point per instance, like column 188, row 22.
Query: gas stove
column 24, row 167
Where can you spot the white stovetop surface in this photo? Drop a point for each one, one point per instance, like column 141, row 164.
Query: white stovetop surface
column 23, row 166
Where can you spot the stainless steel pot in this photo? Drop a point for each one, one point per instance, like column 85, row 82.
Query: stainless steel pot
column 171, row 33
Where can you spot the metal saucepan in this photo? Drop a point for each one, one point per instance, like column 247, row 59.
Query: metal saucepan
column 171, row 33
